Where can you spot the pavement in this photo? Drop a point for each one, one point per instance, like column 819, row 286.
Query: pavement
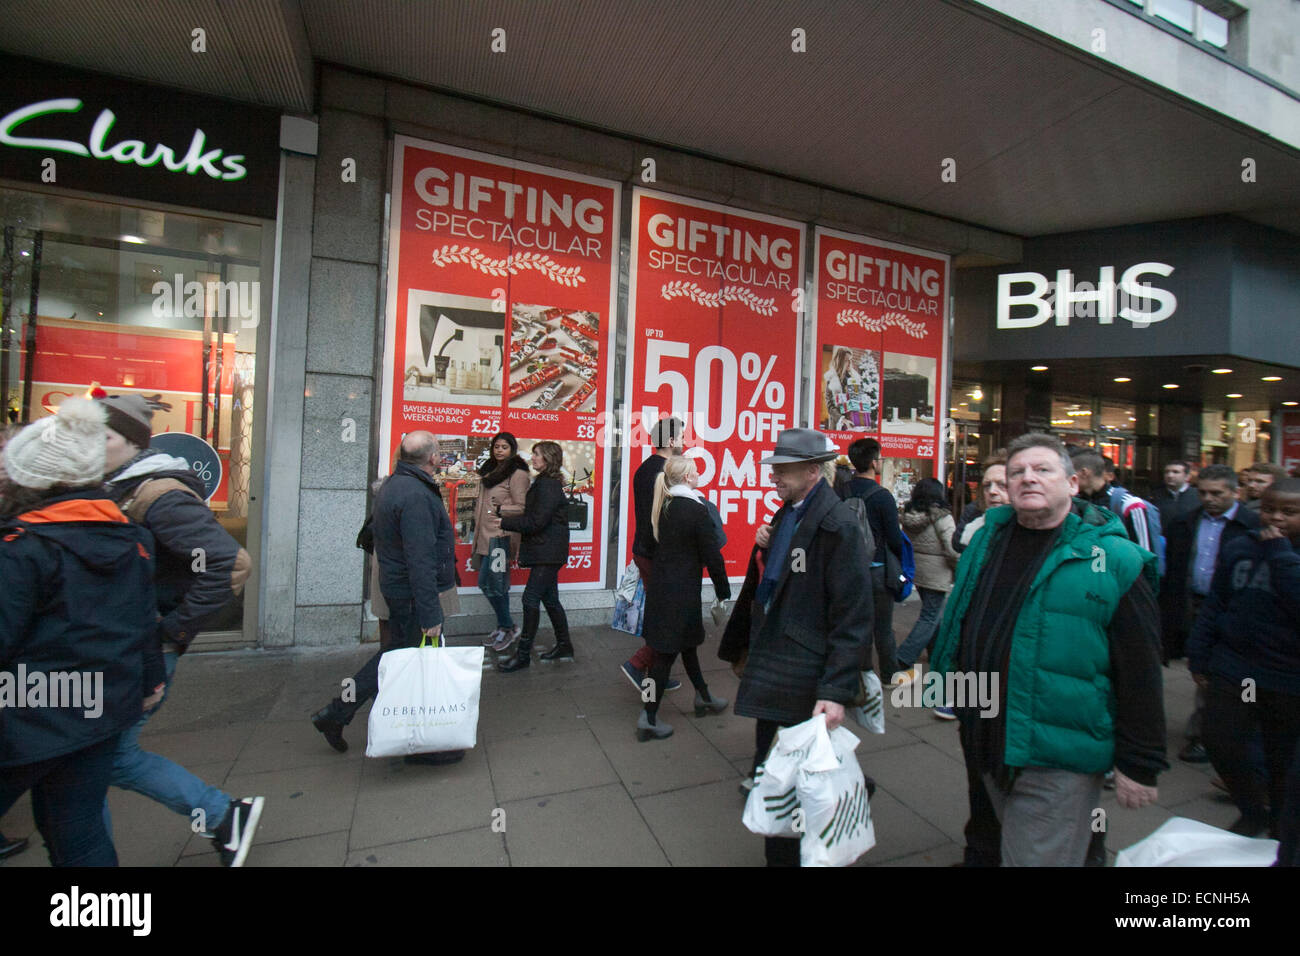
column 558, row 777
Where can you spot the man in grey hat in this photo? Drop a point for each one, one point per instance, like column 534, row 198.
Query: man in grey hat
column 200, row 568
column 801, row 630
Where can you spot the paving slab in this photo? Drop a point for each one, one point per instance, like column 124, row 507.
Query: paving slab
column 685, row 759
column 399, row 801
column 597, row 827
column 324, row 849
column 551, row 763
column 701, row 826
column 481, row 847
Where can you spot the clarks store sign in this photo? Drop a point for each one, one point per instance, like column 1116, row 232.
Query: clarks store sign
column 98, row 134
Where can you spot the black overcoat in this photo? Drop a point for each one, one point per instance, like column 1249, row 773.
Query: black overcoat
column 816, row 635
column 687, row 545
column 544, row 525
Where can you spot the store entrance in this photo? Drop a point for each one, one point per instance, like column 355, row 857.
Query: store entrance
column 149, row 302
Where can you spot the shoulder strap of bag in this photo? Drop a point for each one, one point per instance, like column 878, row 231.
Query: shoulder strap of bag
column 149, row 491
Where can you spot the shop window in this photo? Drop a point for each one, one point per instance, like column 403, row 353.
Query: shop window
column 161, row 304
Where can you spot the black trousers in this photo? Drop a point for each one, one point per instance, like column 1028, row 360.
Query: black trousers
column 779, row 851
column 543, row 588
column 983, row 831
column 403, row 631
column 882, row 613
column 1230, row 723
column 659, row 670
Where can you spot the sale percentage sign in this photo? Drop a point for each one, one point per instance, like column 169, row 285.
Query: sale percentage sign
column 751, row 370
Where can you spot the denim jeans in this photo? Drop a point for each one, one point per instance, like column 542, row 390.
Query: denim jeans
column 495, row 585
column 161, row 780
column 924, row 629
column 67, row 800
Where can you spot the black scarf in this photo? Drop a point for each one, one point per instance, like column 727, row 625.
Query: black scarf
column 986, row 736
column 493, row 472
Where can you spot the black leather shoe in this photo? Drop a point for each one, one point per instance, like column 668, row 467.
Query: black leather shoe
column 10, row 848
column 1194, row 752
column 325, row 721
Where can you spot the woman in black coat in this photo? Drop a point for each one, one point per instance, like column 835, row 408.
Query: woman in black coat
column 544, row 549
column 687, row 544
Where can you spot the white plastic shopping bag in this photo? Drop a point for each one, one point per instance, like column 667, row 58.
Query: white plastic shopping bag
column 427, row 701
column 1183, row 842
column 770, row 809
column 629, row 602
column 836, row 811
column 871, row 715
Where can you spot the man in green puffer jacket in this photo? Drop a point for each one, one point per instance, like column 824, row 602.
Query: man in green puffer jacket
column 1054, row 609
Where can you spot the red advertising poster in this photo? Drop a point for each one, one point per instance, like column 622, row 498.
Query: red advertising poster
column 1291, row 442
column 879, row 356
column 713, row 338
column 501, row 297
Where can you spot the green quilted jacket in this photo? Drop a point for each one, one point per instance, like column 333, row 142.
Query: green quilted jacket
column 1060, row 707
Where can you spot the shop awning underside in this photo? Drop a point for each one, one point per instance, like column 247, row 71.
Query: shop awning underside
column 1045, row 138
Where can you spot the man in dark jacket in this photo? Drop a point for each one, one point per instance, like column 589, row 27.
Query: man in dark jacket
column 1193, row 546
column 1178, row 497
column 1244, row 650
column 196, row 576
column 882, row 516
column 78, row 651
column 802, row 627
column 415, row 547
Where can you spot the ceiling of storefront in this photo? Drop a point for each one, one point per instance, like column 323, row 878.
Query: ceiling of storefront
column 1197, row 383
column 1045, row 139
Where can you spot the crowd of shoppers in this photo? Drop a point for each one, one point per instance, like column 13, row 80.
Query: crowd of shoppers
column 1048, row 587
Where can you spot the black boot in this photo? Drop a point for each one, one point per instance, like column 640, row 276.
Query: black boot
column 524, row 650
column 330, row 721
column 563, row 649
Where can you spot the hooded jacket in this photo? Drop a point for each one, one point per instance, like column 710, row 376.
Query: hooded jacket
column 77, row 626
column 932, row 533
column 180, row 523
column 1249, row 626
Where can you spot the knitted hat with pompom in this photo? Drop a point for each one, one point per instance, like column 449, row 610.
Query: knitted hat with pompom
column 66, row 448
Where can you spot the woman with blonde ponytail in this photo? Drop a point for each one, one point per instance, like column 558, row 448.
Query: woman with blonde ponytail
column 687, row 544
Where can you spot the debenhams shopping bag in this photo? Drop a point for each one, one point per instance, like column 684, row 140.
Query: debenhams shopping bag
column 772, row 808
column 427, row 701
column 837, row 827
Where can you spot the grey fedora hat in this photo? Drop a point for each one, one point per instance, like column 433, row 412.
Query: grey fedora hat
column 801, row 444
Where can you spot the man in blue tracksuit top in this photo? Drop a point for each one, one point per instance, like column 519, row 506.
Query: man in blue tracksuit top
column 1245, row 649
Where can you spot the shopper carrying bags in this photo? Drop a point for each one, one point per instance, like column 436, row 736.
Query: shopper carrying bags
column 687, row 543
column 504, row 483
column 544, row 550
column 929, row 524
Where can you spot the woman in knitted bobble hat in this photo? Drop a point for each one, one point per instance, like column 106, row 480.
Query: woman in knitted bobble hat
column 79, row 658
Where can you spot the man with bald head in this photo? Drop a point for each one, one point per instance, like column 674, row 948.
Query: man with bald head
column 415, row 547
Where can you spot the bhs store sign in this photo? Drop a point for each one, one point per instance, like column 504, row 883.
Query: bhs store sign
column 1133, row 300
